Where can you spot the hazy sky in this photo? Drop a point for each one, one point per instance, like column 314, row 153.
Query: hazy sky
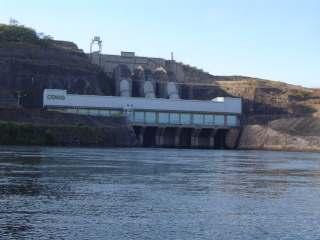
column 273, row 39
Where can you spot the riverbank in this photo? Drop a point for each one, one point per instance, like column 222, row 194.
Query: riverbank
column 48, row 128
column 288, row 134
column 45, row 128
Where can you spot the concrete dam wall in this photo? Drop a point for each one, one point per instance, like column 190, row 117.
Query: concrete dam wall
column 159, row 122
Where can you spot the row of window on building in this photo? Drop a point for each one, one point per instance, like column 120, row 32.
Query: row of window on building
column 184, row 118
column 165, row 117
column 94, row 112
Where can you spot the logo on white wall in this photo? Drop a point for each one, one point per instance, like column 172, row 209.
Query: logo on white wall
column 56, row 97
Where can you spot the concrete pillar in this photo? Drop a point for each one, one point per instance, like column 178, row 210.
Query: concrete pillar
column 140, row 136
column 213, row 133
column 195, row 137
column 177, row 137
column 160, row 136
column 232, row 137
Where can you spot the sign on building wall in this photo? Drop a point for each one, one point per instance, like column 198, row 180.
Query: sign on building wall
column 127, row 54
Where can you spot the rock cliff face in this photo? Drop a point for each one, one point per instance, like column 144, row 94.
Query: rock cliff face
column 263, row 97
column 29, row 64
column 260, row 97
column 267, row 138
column 277, row 116
column 30, row 68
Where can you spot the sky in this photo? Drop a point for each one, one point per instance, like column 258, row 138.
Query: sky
column 272, row 39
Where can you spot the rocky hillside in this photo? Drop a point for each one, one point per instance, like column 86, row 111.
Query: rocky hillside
column 282, row 134
column 264, row 97
column 278, row 116
column 30, row 64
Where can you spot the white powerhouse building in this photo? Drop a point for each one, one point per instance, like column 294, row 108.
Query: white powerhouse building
column 219, row 112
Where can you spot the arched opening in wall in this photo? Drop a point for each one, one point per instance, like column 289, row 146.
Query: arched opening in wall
column 169, row 137
column 184, row 91
column 149, row 137
column 220, row 139
column 157, row 90
column 185, row 138
column 204, row 138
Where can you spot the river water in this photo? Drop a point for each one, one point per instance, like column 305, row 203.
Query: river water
column 70, row 193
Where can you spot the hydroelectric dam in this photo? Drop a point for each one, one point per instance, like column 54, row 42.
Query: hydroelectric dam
column 147, row 94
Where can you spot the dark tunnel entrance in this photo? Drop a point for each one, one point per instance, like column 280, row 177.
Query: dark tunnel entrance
column 169, row 137
column 181, row 138
column 204, row 138
column 220, row 139
column 149, row 137
column 185, row 138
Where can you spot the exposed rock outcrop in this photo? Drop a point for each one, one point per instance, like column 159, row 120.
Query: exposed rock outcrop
column 261, row 137
column 30, row 68
column 232, row 138
column 277, row 116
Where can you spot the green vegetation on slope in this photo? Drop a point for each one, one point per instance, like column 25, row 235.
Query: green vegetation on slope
column 13, row 133
column 21, row 34
column 31, row 62
column 24, row 134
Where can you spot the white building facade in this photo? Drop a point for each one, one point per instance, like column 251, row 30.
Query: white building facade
column 217, row 113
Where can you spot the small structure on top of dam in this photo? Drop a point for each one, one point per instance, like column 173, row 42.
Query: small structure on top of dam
column 139, row 71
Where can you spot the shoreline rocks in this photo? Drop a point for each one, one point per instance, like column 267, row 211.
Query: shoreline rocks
column 259, row 137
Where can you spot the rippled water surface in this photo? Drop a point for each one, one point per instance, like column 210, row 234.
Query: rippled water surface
column 66, row 193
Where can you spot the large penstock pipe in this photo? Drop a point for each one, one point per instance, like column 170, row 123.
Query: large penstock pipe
column 125, row 90
column 149, row 90
column 122, row 74
column 172, row 90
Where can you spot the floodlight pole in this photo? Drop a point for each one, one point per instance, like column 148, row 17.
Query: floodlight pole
column 98, row 41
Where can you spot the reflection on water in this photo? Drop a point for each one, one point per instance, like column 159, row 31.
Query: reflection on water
column 67, row 193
